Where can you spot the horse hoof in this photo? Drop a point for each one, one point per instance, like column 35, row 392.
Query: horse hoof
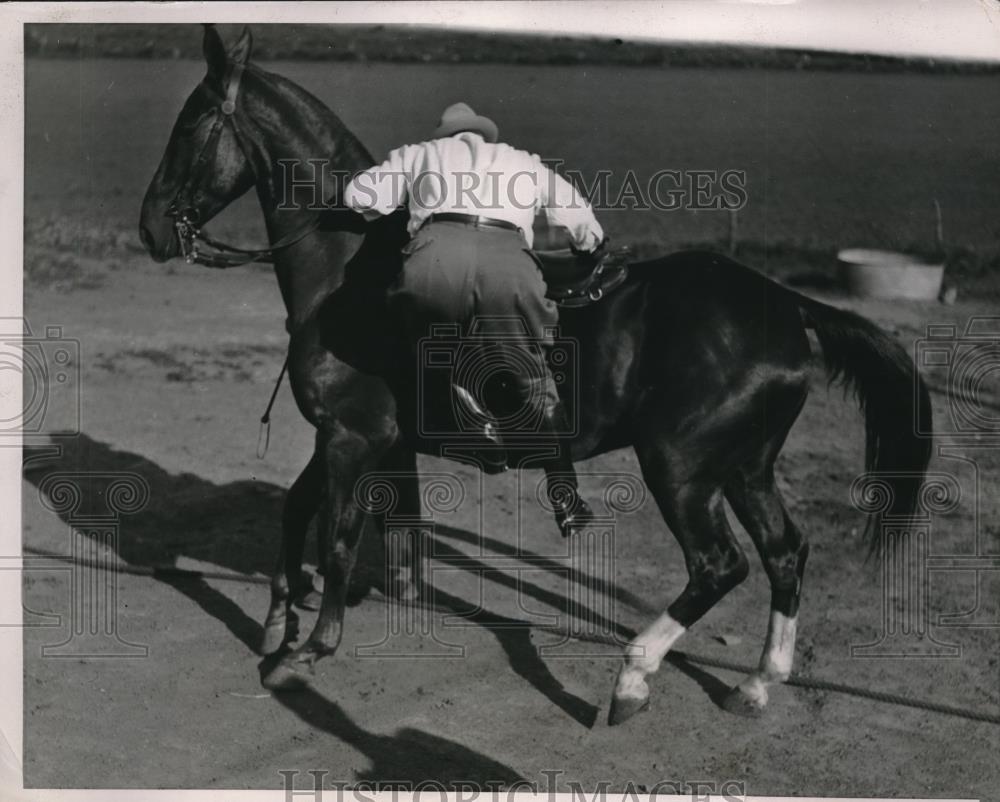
column 273, row 640
column 310, row 600
column 311, row 593
column 740, row 704
column 624, row 707
column 405, row 590
column 287, row 677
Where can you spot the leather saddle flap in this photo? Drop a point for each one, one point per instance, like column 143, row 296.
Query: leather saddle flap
column 577, row 279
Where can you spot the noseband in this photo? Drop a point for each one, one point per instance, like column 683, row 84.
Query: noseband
column 182, row 208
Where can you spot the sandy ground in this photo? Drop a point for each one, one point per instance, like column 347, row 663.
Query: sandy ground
column 175, row 368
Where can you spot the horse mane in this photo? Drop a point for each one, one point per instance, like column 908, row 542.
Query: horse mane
column 350, row 155
column 378, row 260
column 347, row 155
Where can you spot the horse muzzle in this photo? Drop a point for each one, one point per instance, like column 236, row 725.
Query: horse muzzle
column 159, row 236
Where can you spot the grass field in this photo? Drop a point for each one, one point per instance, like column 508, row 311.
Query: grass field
column 424, row 44
column 831, row 159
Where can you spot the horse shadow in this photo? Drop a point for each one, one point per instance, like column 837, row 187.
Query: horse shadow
column 235, row 526
column 410, row 756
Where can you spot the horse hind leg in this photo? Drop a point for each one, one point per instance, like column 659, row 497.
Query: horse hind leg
column 287, row 584
column 403, row 570
column 716, row 564
column 757, row 503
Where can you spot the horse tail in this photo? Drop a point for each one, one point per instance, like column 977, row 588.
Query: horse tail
column 892, row 396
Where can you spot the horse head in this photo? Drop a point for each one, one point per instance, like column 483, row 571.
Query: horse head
column 205, row 166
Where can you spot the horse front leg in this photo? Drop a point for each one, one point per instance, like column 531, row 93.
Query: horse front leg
column 301, row 505
column 346, row 454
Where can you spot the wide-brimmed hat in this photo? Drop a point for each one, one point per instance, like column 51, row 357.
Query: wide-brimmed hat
column 459, row 117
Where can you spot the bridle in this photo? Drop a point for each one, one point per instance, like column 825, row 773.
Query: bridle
column 185, row 216
column 184, row 212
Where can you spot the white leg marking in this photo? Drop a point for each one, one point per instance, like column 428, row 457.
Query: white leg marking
column 644, row 655
column 779, row 651
column 775, row 661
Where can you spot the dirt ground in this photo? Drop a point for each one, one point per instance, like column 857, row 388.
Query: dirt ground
column 175, row 368
column 176, row 364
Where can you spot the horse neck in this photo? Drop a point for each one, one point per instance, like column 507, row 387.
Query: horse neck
column 305, row 154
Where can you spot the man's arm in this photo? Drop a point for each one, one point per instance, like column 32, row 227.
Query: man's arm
column 566, row 207
column 379, row 190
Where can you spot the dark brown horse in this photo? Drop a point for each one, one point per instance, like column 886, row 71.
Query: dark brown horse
column 698, row 363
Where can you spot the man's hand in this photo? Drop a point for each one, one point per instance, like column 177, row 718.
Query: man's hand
column 596, row 253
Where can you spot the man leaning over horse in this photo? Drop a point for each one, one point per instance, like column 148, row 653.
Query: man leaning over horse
column 472, row 202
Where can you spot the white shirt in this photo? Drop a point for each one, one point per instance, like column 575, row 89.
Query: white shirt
column 468, row 175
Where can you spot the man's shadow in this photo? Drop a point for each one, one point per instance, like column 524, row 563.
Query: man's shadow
column 236, row 526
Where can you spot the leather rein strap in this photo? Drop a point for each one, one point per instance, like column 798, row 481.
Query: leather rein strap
column 182, row 208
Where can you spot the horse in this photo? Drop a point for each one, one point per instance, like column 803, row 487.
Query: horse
column 698, row 363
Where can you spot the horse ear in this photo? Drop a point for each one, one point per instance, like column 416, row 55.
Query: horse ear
column 241, row 50
column 214, row 50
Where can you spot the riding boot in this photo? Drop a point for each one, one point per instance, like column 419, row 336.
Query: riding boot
column 571, row 510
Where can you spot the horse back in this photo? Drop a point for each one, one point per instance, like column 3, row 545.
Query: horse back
column 688, row 332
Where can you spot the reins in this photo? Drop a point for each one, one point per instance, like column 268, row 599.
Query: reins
column 227, row 255
column 185, row 217
column 264, row 434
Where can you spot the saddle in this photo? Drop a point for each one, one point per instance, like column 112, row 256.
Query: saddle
column 576, row 279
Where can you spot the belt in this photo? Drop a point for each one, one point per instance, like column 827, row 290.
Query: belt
column 471, row 219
